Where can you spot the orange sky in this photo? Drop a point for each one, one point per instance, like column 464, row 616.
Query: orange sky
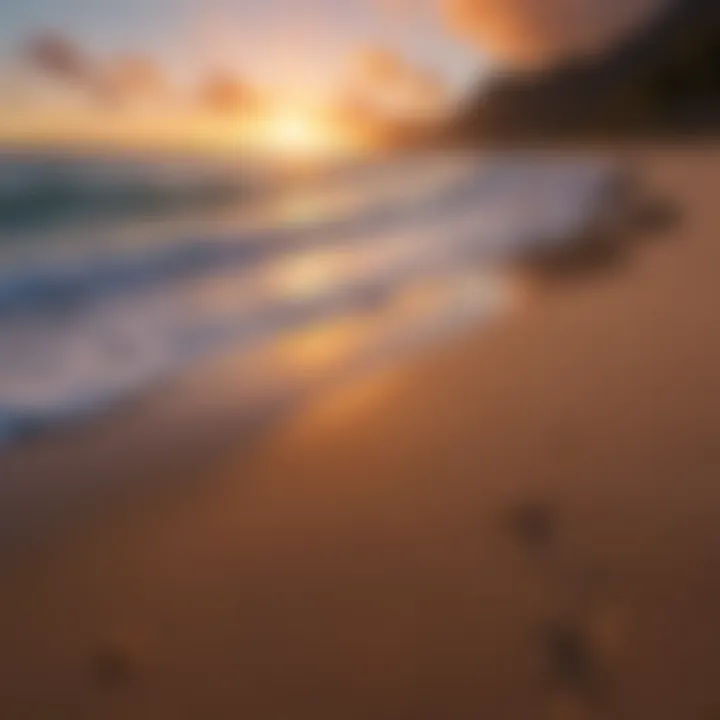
column 209, row 72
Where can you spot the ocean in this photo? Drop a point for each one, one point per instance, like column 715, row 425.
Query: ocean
column 118, row 275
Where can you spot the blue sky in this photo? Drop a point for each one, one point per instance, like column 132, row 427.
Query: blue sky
column 270, row 41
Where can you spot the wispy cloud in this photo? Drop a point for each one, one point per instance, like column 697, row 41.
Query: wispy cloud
column 123, row 79
column 135, row 77
column 128, row 80
column 396, row 84
column 225, row 93
column 60, row 57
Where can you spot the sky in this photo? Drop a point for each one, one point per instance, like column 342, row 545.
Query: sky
column 275, row 42
column 118, row 52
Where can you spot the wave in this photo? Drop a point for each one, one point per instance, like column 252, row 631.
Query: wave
column 44, row 191
column 81, row 329
column 74, row 277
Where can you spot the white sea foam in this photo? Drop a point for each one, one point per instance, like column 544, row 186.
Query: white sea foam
column 90, row 316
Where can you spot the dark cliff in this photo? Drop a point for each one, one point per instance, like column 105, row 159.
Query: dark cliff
column 664, row 79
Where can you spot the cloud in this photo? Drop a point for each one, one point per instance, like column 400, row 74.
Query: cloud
column 125, row 79
column 402, row 10
column 131, row 80
column 134, row 78
column 379, row 66
column 224, row 93
column 531, row 32
column 60, row 57
column 390, row 81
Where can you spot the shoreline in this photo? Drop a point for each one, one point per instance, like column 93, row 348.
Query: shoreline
column 59, row 467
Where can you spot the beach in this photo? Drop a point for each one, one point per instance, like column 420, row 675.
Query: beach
column 521, row 523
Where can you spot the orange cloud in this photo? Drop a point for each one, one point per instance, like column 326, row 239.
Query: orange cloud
column 135, row 77
column 131, row 80
column 531, row 32
column 125, row 79
column 389, row 80
column 404, row 10
column 224, row 93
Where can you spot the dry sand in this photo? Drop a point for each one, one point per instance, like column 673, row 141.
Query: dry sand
column 524, row 524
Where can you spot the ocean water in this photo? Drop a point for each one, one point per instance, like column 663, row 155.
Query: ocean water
column 117, row 275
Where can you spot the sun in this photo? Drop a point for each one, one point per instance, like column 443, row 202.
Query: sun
column 299, row 133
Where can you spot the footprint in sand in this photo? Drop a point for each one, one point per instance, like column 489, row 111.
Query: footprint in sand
column 534, row 525
column 113, row 667
column 575, row 669
column 586, row 628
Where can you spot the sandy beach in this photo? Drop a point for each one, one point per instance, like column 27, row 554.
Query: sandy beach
column 524, row 523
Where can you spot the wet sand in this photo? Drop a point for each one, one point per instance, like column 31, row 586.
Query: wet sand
column 522, row 524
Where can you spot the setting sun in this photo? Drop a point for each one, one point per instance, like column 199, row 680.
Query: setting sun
column 300, row 132
column 296, row 134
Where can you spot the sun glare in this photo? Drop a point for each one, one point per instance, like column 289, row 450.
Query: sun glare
column 299, row 133
column 296, row 134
